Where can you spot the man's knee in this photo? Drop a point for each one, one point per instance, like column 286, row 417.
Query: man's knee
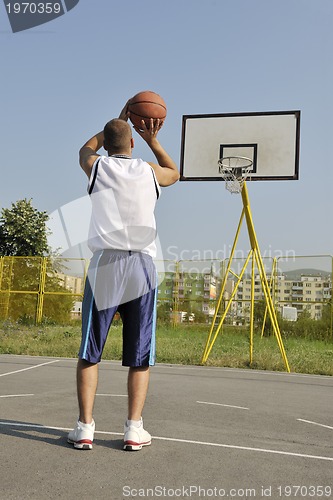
column 83, row 363
column 134, row 369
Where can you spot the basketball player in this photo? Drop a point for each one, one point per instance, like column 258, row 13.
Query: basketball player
column 121, row 275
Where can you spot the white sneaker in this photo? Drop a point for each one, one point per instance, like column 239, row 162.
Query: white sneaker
column 135, row 437
column 82, row 436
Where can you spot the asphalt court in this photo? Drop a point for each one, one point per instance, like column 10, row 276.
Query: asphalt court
column 217, row 433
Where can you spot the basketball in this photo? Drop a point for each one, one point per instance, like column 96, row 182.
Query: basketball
column 146, row 105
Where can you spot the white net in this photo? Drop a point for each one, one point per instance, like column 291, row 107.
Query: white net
column 235, row 170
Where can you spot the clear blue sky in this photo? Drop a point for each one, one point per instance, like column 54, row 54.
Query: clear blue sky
column 62, row 81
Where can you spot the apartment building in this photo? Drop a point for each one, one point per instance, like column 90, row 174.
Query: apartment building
column 200, row 291
column 308, row 293
column 74, row 284
column 191, row 291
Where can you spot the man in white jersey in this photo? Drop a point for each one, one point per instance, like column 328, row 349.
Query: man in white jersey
column 121, row 275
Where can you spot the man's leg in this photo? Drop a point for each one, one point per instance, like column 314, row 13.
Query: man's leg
column 135, row 437
column 139, row 320
column 82, row 435
column 87, row 379
column 137, row 383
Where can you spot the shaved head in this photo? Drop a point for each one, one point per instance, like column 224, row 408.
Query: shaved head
column 117, row 136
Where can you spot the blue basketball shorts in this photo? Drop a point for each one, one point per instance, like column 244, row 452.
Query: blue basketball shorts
column 118, row 280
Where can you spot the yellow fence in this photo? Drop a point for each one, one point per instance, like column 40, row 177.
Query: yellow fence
column 39, row 288
column 36, row 289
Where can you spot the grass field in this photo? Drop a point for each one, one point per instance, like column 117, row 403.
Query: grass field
column 180, row 345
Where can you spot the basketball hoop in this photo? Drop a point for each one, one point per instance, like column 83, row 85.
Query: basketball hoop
column 234, row 171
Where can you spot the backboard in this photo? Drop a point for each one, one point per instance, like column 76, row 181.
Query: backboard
column 270, row 139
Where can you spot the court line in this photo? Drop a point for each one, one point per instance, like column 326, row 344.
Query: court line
column 239, row 370
column 190, row 367
column 16, row 395
column 29, row 368
column 315, row 423
column 186, row 441
column 220, row 404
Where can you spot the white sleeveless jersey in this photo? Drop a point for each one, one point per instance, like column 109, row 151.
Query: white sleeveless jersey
column 123, row 193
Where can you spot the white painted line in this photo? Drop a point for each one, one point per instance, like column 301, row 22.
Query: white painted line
column 315, row 423
column 29, row 368
column 186, row 441
column 38, row 426
column 247, row 448
column 244, row 371
column 220, row 404
column 113, row 395
column 16, row 395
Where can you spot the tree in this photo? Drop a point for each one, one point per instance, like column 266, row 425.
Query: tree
column 260, row 314
column 23, row 230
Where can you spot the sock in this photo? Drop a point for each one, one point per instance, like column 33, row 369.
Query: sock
column 135, row 423
column 85, row 426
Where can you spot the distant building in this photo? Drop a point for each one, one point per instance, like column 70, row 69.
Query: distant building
column 308, row 293
column 74, row 284
column 195, row 291
column 77, row 310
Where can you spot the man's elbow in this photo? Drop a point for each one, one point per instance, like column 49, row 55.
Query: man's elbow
column 84, row 150
column 172, row 179
column 177, row 176
column 84, row 153
column 80, row 155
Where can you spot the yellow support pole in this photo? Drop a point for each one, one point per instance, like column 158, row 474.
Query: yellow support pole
column 271, row 309
column 10, row 274
column 273, row 280
column 204, row 358
column 175, row 301
column 41, row 291
column 225, row 277
column 272, row 283
column 264, row 283
column 255, row 252
column 252, row 310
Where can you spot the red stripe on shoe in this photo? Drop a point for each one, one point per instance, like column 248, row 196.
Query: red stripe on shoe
column 134, row 443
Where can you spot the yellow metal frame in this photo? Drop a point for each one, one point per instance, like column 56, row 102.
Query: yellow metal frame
column 41, row 292
column 272, row 285
column 175, row 298
column 256, row 259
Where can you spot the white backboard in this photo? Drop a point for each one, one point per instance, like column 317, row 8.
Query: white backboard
column 270, row 139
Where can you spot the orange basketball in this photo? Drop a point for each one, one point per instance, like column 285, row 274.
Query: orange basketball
column 146, row 105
